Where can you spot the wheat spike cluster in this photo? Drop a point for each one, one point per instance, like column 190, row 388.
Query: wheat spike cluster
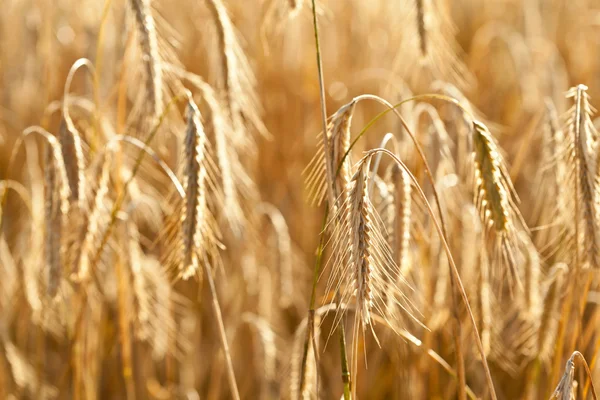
column 309, row 199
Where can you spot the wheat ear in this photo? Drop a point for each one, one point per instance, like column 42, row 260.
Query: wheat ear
column 362, row 260
column 583, row 138
column 566, row 388
column 194, row 184
column 148, row 41
column 57, row 206
column 53, row 225
column 494, row 198
column 236, row 79
column 329, row 157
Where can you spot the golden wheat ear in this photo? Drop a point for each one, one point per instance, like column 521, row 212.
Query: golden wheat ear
column 432, row 46
column 193, row 235
column 234, row 188
column 154, row 37
column 567, row 387
column 236, row 81
column 582, row 145
column 72, row 150
column 552, row 208
column 495, row 199
column 56, row 209
column 361, row 259
column 317, row 172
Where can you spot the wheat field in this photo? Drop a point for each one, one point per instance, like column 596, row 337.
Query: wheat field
column 309, row 199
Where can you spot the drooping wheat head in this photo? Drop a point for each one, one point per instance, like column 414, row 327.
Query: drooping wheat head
column 494, row 199
column 194, row 215
column 581, row 139
column 148, row 41
column 236, row 80
column 361, row 260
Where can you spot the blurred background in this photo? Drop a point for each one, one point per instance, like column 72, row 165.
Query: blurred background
column 505, row 59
